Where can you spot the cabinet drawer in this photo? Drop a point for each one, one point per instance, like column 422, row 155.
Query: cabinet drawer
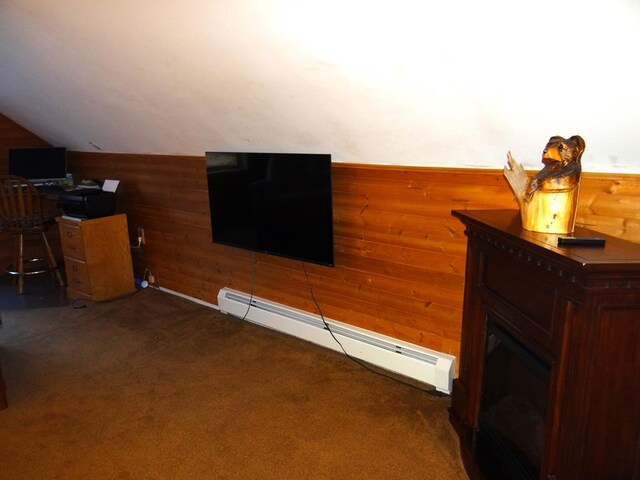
column 72, row 242
column 77, row 275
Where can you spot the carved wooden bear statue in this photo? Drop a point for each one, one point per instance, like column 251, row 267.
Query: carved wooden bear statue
column 548, row 200
column 561, row 158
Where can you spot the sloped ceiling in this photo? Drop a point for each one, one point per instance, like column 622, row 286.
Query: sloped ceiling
column 403, row 82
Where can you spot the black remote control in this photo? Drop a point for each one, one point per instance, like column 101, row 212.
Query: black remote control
column 581, row 242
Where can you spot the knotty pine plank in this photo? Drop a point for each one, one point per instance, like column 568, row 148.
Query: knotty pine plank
column 406, row 288
column 400, row 255
column 400, row 272
column 326, row 287
column 445, row 244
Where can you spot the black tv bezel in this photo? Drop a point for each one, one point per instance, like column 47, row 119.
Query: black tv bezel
column 34, row 155
column 325, row 259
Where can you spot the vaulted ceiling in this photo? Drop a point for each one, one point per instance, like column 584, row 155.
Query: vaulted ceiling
column 389, row 82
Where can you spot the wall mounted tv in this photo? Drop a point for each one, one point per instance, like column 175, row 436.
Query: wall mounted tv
column 39, row 164
column 275, row 203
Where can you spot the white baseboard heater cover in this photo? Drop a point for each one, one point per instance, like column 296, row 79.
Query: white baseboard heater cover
column 413, row 361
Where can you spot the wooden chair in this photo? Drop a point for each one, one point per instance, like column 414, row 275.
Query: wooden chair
column 21, row 216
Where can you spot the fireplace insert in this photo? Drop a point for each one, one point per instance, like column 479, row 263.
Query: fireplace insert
column 509, row 441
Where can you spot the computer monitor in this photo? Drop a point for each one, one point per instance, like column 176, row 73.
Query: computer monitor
column 39, row 164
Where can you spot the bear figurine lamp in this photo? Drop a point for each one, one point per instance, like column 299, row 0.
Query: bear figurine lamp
column 548, row 201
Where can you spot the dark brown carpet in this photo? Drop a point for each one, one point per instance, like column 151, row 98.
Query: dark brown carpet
column 157, row 387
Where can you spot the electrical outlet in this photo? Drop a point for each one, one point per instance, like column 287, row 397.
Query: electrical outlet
column 151, row 278
column 141, row 235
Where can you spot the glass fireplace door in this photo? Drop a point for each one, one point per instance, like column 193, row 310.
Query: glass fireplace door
column 515, row 385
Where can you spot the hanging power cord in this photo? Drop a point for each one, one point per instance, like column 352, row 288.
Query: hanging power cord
column 353, row 359
column 78, row 303
column 84, row 302
column 147, row 275
column 253, row 284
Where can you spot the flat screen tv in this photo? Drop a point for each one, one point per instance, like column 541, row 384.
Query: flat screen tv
column 39, row 164
column 275, row 203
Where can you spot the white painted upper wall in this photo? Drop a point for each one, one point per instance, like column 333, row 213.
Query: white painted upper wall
column 406, row 82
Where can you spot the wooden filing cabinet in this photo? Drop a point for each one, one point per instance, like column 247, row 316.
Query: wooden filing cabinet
column 97, row 257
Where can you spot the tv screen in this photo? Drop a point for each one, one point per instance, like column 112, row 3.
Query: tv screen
column 38, row 164
column 275, row 203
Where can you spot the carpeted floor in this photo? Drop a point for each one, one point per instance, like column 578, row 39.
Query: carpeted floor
column 156, row 387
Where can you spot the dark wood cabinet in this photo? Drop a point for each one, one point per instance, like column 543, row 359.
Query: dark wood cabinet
column 550, row 358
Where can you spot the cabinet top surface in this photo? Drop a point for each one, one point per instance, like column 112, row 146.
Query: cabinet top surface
column 85, row 221
column 506, row 225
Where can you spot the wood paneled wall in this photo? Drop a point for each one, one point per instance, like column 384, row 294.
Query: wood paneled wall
column 13, row 135
column 400, row 255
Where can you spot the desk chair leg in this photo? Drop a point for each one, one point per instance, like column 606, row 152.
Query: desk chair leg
column 3, row 394
column 20, row 263
column 52, row 261
column 3, row 388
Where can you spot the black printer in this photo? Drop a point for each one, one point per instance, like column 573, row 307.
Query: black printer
column 86, row 203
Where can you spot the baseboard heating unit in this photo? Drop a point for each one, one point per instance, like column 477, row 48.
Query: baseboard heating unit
column 413, row 361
